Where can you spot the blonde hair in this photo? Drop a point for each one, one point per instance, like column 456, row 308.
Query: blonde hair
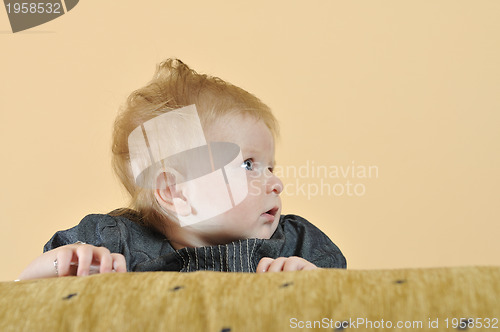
column 175, row 85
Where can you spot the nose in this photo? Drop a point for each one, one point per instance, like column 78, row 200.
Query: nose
column 273, row 184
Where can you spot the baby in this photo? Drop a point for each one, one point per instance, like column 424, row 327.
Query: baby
column 177, row 220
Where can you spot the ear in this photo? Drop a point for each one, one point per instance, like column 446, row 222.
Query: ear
column 169, row 196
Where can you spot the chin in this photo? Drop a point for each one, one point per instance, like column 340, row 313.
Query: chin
column 268, row 232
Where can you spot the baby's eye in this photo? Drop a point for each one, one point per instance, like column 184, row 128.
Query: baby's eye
column 248, row 165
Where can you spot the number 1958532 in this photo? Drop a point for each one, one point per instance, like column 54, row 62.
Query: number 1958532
column 34, row 8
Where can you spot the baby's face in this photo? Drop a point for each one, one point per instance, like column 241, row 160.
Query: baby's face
column 257, row 216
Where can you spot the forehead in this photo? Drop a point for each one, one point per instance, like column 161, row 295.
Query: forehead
column 247, row 131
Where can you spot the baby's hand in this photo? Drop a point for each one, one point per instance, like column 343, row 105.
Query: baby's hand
column 77, row 259
column 292, row 263
column 82, row 259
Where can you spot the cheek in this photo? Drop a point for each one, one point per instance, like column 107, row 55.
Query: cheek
column 254, row 188
column 255, row 184
column 247, row 211
column 248, row 205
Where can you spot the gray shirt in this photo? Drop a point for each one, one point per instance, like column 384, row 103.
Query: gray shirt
column 147, row 250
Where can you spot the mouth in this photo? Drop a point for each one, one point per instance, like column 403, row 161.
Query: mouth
column 270, row 214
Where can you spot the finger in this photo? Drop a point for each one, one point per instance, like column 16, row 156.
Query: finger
column 304, row 264
column 102, row 256
column 119, row 263
column 264, row 264
column 277, row 265
column 294, row 264
column 309, row 266
column 64, row 267
column 85, row 255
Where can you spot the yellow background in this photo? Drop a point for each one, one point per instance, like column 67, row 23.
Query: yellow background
column 411, row 87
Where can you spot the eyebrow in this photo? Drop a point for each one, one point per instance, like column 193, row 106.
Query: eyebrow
column 252, row 151
column 249, row 151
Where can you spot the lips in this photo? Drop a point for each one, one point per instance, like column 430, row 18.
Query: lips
column 270, row 214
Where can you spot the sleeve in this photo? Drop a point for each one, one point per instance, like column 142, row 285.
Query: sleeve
column 99, row 230
column 305, row 240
